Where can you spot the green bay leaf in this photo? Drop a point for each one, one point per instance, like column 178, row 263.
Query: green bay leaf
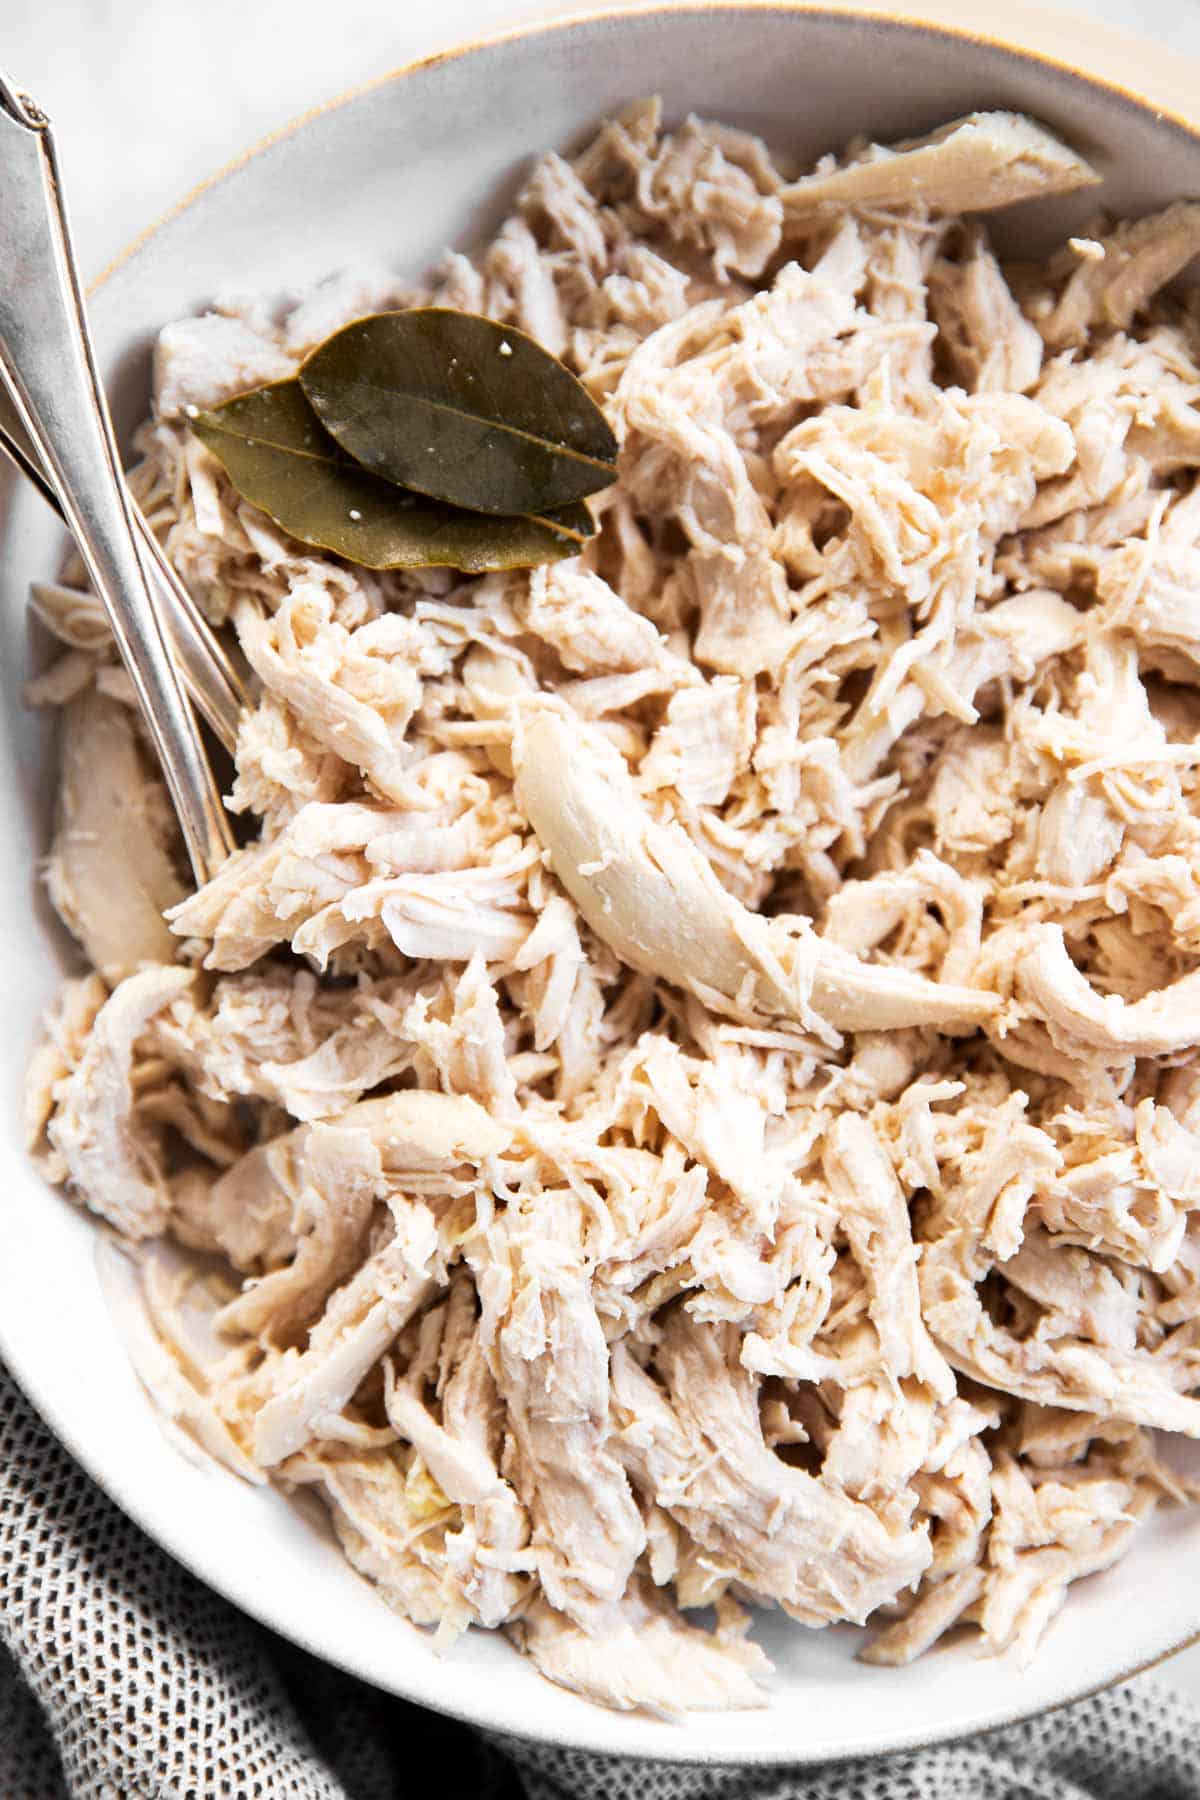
column 462, row 409
column 280, row 457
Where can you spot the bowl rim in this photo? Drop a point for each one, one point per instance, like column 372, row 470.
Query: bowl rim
column 1107, row 41
column 1104, row 42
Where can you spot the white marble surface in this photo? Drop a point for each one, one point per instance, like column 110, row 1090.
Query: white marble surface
column 150, row 96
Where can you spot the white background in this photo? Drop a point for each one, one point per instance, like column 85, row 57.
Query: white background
column 149, row 97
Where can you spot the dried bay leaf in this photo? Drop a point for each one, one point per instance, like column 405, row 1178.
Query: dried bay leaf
column 461, row 409
column 280, row 457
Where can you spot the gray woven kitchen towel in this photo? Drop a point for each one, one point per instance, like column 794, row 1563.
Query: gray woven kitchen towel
column 125, row 1679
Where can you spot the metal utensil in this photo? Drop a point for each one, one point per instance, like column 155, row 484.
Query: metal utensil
column 48, row 366
column 209, row 675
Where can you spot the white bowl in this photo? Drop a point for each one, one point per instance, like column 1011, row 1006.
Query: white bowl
column 423, row 158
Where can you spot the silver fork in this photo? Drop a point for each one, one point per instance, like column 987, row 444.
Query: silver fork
column 208, row 672
column 49, row 369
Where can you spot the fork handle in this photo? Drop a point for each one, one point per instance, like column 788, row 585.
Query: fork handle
column 48, row 365
column 208, row 672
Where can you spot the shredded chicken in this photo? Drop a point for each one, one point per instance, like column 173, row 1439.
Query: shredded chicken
column 972, row 165
column 689, row 1094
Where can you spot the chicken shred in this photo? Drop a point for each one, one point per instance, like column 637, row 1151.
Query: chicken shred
column 689, row 1094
